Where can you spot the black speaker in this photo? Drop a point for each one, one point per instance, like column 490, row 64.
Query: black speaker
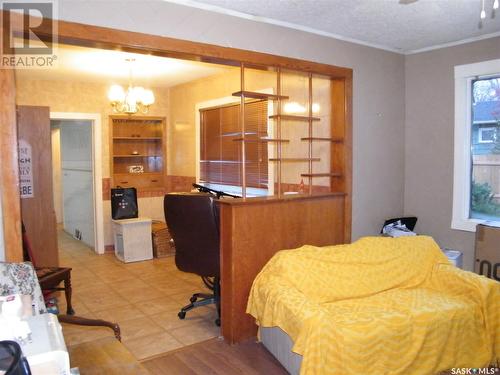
column 124, row 203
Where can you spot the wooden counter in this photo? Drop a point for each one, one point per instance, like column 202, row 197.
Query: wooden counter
column 254, row 229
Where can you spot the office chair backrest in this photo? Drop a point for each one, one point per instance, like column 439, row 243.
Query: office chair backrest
column 193, row 222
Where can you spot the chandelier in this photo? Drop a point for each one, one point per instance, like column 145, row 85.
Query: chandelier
column 483, row 12
column 133, row 100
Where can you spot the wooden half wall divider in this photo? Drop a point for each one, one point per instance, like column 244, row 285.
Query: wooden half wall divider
column 253, row 230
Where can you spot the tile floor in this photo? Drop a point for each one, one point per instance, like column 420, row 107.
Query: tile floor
column 143, row 298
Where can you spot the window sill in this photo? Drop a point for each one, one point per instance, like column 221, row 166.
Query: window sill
column 236, row 190
column 469, row 225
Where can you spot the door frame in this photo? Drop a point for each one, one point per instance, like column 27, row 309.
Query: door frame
column 95, row 119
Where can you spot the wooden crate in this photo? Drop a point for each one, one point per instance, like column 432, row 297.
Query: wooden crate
column 162, row 244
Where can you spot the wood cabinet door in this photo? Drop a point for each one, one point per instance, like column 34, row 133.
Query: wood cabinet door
column 37, row 203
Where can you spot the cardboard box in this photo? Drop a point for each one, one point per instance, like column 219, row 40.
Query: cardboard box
column 487, row 251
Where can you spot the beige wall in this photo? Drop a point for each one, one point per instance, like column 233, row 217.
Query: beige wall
column 82, row 97
column 378, row 86
column 429, row 139
column 181, row 146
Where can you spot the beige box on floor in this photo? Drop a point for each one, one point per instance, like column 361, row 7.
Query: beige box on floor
column 487, row 251
column 133, row 239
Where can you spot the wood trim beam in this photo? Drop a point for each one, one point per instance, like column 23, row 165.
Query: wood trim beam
column 106, row 38
column 9, row 175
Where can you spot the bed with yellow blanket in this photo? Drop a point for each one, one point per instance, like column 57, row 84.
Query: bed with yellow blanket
column 379, row 306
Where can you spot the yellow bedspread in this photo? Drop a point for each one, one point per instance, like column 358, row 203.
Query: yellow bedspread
column 379, row 306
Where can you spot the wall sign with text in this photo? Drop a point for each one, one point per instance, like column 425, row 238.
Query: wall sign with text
column 25, row 170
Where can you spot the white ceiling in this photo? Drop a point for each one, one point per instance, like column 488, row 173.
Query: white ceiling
column 106, row 66
column 405, row 26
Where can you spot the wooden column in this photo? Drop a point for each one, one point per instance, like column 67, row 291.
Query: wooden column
column 341, row 152
column 253, row 230
column 9, row 180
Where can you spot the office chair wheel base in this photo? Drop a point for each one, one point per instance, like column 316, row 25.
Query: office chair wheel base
column 193, row 299
column 217, row 322
column 181, row 314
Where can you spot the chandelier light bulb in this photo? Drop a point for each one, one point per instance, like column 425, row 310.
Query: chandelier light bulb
column 148, row 97
column 137, row 93
column 133, row 100
column 116, row 93
column 483, row 13
column 495, row 4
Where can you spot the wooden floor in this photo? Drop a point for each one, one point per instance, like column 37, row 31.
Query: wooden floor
column 104, row 356
column 215, row 357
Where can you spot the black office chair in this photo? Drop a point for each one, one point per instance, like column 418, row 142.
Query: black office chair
column 193, row 222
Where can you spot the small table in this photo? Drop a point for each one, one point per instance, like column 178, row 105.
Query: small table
column 50, row 278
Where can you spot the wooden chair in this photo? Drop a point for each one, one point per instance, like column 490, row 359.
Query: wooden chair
column 50, row 279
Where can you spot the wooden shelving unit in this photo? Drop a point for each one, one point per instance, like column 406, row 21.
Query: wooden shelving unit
column 294, row 118
column 313, row 139
column 294, row 159
column 259, row 95
column 321, row 175
column 262, row 140
column 135, row 143
column 337, row 131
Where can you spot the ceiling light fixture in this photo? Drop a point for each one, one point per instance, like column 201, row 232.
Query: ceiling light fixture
column 135, row 99
column 483, row 11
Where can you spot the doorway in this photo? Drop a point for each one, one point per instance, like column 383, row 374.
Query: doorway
column 77, row 176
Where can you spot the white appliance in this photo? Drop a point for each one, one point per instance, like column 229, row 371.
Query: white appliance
column 133, row 241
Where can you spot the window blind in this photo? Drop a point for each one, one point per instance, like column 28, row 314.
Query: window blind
column 220, row 160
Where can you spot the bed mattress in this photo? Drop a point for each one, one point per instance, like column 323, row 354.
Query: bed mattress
column 280, row 345
column 376, row 304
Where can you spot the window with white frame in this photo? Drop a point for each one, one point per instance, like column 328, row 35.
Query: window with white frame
column 476, row 186
column 486, row 135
